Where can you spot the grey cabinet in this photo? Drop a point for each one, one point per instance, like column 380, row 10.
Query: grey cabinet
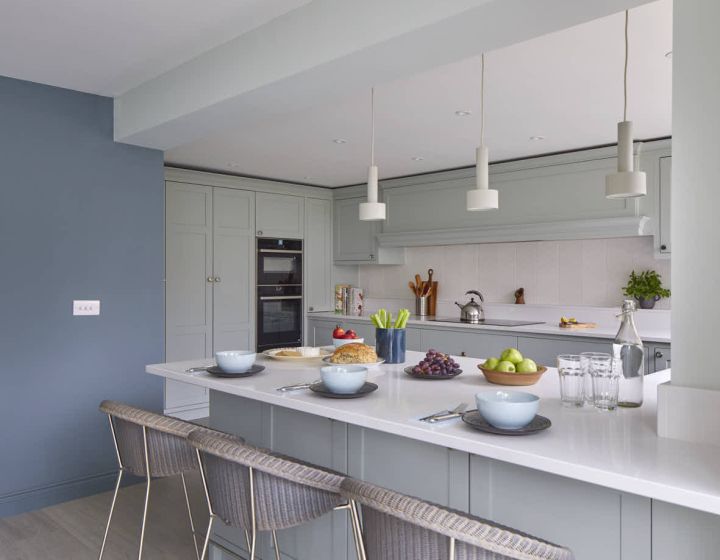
column 660, row 358
column 320, row 332
column 355, row 242
column 473, row 344
column 663, row 239
column 280, row 216
column 318, row 255
column 209, row 235
column 546, row 350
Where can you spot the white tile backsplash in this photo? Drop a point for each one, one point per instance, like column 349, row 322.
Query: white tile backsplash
column 571, row 273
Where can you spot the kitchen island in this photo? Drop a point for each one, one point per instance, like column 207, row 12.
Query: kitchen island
column 602, row 483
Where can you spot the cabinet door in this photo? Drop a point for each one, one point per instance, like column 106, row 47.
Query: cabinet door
column 318, row 255
column 665, row 191
column 660, row 359
column 188, row 294
column 279, row 215
column 473, row 344
column 234, row 270
column 546, row 350
column 354, row 240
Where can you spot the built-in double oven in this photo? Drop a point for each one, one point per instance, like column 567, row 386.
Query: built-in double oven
column 279, row 293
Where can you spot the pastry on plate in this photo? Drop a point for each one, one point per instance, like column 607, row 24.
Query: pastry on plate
column 354, row 353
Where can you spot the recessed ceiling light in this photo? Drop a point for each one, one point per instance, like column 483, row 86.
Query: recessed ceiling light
column 463, row 113
column 231, row 164
column 668, row 54
column 308, row 178
column 340, row 141
column 536, row 138
column 417, row 158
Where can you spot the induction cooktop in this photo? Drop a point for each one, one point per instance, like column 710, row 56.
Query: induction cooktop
column 488, row 322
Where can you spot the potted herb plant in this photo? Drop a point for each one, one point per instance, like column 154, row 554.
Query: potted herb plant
column 646, row 287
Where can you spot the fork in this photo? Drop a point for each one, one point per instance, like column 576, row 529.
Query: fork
column 445, row 414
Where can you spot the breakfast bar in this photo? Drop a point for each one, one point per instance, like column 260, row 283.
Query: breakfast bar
column 602, row 483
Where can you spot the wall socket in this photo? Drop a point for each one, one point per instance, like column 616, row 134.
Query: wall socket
column 86, row 307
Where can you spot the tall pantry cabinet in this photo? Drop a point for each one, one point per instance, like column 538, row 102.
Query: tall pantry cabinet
column 209, row 281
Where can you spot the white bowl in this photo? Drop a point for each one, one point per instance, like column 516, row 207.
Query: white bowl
column 338, row 342
column 508, row 410
column 343, row 379
column 235, row 361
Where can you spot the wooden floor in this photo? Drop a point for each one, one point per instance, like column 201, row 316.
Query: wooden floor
column 74, row 530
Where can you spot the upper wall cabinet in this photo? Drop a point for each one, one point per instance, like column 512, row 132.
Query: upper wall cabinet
column 279, row 215
column 356, row 241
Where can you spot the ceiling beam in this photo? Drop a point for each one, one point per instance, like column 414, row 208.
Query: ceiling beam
column 328, row 49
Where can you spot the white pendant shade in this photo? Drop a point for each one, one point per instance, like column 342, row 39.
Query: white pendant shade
column 372, row 209
column 482, row 197
column 626, row 183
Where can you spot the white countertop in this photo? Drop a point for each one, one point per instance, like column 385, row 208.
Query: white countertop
column 619, row 450
column 647, row 335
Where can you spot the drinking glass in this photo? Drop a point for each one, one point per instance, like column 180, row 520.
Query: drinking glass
column 571, row 380
column 606, row 382
column 585, row 364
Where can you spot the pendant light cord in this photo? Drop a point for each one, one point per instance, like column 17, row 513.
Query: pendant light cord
column 482, row 99
column 627, row 48
column 372, row 126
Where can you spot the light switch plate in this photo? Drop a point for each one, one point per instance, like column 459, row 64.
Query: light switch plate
column 86, row 307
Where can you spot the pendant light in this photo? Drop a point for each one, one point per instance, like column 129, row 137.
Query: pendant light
column 626, row 183
column 372, row 210
column 482, row 197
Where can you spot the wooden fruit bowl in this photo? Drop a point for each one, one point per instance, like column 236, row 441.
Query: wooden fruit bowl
column 512, row 378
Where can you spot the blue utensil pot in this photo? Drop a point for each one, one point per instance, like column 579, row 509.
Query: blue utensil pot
column 390, row 345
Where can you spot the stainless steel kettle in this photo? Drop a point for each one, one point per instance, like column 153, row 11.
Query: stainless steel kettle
column 472, row 311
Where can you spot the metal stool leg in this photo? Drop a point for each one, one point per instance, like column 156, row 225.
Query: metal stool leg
column 112, row 508
column 206, row 544
column 147, row 494
column 275, row 545
column 192, row 525
column 252, row 514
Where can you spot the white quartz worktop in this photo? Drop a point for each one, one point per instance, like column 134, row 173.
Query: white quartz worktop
column 647, row 334
column 618, row 450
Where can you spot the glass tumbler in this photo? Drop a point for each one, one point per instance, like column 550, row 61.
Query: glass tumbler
column 585, row 364
column 606, row 382
column 572, row 384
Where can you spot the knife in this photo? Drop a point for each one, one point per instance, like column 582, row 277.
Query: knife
column 296, row 387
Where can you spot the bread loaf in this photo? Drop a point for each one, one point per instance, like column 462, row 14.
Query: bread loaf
column 354, row 353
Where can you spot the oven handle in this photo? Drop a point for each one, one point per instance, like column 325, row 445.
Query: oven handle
column 288, row 251
column 275, row 298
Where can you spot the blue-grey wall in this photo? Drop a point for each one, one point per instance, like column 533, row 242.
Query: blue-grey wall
column 81, row 217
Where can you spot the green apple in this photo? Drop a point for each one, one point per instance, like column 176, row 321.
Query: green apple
column 505, row 366
column 526, row 366
column 491, row 363
column 511, row 355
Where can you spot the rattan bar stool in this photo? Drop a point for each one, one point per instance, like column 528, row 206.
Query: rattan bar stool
column 399, row 527
column 150, row 445
column 256, row 490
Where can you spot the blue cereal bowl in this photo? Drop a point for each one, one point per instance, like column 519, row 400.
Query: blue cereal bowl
column 343, row 380
column 508, row 410
column 235, row 361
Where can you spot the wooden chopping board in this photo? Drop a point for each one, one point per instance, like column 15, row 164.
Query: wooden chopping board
column 578, row 325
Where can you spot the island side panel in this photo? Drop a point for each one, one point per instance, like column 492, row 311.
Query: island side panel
column 679, row 532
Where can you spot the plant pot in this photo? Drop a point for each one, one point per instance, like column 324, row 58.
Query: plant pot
column 648, row 303
column 390, row 345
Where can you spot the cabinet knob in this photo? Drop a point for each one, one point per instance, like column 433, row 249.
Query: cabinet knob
column 663, row 247
column 210, row 279
column 311, row 308
column 658, row 354
column 259, row 232
column 372, row 256
column 463, row 354
column 216, row 279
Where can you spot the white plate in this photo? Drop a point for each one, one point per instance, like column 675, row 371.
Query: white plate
column 326, row 359
column 273, row 355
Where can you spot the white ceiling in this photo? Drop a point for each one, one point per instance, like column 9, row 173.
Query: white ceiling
column 110, row 46
column 566, row 86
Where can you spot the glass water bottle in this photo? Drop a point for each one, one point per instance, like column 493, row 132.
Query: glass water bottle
column 629, row 359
